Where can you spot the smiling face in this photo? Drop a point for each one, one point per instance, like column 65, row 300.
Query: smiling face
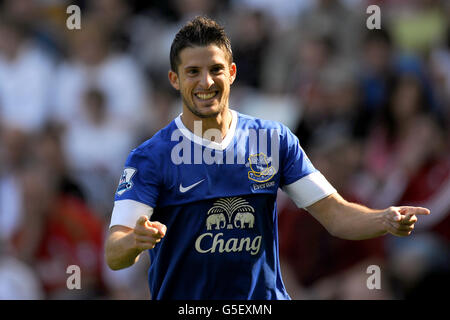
column 203, row 77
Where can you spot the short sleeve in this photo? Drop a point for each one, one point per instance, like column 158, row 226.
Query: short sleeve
column 138, row 189
column 303, row 183
column 295, row 162
column 140, row 180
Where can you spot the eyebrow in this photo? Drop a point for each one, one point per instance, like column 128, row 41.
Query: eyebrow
column 221, row 65
column 218, row 65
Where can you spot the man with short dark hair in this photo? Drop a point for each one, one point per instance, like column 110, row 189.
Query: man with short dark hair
column 200, row 195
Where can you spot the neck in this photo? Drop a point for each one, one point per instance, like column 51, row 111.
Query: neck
column 221, row 122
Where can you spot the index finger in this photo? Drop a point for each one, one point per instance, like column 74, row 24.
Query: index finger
column 410, row 211
column 159, row 226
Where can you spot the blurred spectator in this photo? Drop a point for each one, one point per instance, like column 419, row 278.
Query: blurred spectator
column 22, row 62
column 151, row 36
column 410, row 159
column 440, row 70
column 395, row 131
column 18, row 281
column 332, row 18
column 326, row 19
column 308, row 249
column 58, row 229
column 188, row 9
column 306, row 82
column 96, row 150
column 43, row 20
column 72, row 236
column 13, row 152
column 284, row 13
column 376, row 77
column 418, row 25
column 325, row 90
column 159, row 24
column 263, row 105
column 380, row 65
column 249, row 33
column 115, row 17
column 10, row 207
column 423, row 163
column 93, row 64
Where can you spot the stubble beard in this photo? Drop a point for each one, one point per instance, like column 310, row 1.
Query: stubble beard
column 192, row 108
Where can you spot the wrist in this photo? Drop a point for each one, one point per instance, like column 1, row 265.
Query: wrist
column 382, row 221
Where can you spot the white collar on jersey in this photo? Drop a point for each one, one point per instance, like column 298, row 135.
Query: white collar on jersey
column 205, row 142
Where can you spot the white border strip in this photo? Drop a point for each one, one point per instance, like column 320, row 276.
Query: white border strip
column 126, row 212
column 309, row 189
column 207, row 143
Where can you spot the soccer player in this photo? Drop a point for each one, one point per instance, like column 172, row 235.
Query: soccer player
column 200, row 195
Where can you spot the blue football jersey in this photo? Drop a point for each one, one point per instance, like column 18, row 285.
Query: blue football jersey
column 218, row 201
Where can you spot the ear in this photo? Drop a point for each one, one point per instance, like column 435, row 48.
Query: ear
column 233, row 71
column 173, row 79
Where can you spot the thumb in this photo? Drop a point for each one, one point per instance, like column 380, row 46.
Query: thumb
column 396, row 215
column 142, row 220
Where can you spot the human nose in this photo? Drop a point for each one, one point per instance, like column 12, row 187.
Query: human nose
column 206, row 81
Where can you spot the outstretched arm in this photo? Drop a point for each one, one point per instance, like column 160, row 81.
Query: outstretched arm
column 352, row 221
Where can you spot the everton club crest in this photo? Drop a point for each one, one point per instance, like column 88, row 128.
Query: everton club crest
column 260, row 168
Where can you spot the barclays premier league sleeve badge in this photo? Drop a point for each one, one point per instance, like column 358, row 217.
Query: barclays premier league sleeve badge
column 125, row 182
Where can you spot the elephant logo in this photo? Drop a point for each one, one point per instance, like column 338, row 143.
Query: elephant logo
column 244, row 218
column 260, row 170
column 221, row 214
column 230, row 213
column 215, row 219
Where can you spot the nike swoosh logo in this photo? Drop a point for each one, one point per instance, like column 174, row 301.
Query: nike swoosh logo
column 186, row 189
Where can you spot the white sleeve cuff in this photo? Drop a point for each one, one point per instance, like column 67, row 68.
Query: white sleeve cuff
column 309, row 189
column 126, row 212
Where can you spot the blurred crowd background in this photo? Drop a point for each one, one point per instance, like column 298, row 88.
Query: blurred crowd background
column 370, row 107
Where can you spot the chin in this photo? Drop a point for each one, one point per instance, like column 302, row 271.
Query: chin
column 206, row 112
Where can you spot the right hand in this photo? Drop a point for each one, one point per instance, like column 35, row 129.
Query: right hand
column 400, row 220
column 148, row 233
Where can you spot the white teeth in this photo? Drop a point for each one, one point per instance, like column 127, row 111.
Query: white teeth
column 205, row 96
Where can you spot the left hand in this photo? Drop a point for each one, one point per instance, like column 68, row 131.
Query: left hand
column 400, row 221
